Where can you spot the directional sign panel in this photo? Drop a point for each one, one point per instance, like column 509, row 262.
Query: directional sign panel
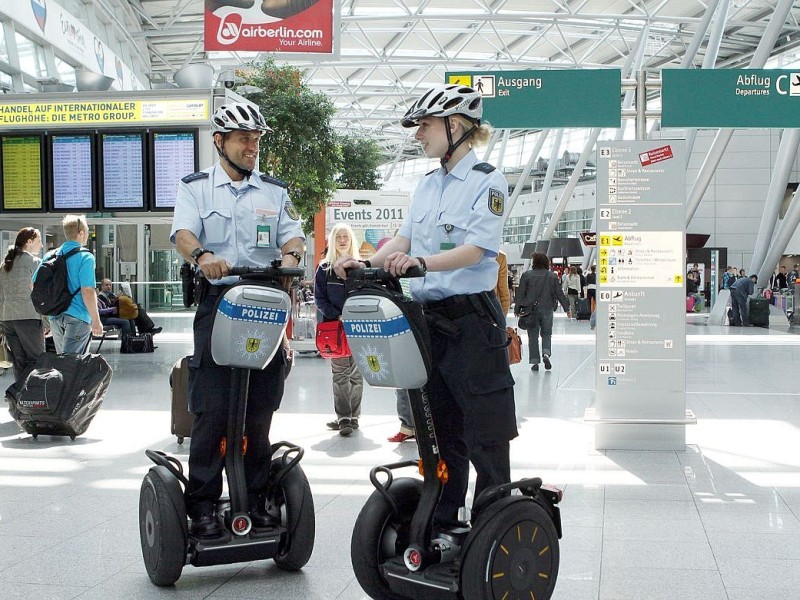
column 730, row 98
column 539, row 99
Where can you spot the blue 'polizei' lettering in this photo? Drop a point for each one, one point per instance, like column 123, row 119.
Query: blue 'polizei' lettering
column 256, row 314
column 376, row 329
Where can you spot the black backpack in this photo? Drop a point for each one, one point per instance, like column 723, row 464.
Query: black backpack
column 50, row 294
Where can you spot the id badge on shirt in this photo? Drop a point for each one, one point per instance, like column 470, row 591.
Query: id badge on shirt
column 262, row 236
column 447, row 244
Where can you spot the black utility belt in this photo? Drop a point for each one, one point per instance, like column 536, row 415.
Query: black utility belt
column 459, row 305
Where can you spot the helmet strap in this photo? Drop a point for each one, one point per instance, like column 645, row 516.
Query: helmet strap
column 221, row 151
column 451, row 147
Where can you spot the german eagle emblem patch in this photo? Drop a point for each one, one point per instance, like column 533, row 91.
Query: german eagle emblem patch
column 497, row 202
column 291, row 211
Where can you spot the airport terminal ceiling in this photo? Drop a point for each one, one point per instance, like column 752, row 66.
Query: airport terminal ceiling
column 392, row 49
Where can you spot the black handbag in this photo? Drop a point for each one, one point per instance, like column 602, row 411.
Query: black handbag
column 137, row 343
column 525, row 319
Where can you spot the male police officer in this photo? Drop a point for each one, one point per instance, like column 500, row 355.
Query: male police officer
column 231, row 215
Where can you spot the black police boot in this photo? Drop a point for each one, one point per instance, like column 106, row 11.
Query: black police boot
column 206, row 527
column 262, row 519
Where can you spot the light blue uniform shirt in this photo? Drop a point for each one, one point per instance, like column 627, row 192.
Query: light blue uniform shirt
column 464, row 206
column 80, row 274
column 236, row 223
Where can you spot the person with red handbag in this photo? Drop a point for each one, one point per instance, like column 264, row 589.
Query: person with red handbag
column 329, row 294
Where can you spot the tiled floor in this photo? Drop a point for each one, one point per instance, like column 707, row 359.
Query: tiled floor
column 720, row 520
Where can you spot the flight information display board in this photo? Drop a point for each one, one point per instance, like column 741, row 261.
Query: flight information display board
column 71, row 172
column 174, row 156
column 22, row 175
column 122, row 165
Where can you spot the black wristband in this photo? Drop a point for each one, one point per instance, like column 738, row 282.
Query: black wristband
column 424, row 266
column 367, row 264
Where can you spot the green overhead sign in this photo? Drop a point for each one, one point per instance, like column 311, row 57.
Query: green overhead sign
column 541, row 99
column 730, row 98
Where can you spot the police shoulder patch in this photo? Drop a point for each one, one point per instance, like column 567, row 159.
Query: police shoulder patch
column 194, row 177
column 484, row 167
column 274, row 180
column 291, row 211
column 497, row 202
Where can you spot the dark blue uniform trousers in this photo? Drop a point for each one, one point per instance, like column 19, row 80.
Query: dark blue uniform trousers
column 209, row 396
column 471, row 393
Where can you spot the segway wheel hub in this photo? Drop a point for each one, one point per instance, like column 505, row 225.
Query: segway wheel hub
column 241, row 525
column 413, row 559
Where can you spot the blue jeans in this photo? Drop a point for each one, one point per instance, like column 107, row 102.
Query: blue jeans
column 404, row 409
column 70, row 334
column 541, row 324
column 124, row 324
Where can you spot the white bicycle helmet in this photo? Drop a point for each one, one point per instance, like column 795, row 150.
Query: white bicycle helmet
column 238, row 116
column 444, row 100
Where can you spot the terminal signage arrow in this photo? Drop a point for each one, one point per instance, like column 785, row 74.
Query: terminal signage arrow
column 542, row 99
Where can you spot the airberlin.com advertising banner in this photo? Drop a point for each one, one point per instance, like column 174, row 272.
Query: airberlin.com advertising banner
column 305, row 26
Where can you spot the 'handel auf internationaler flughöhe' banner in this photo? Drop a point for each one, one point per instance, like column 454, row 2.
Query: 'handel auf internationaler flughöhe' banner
column 270, row 25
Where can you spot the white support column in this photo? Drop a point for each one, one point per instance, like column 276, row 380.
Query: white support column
column 766, row 243
column 9, row 32
column 526, row 172
column 723, row 137
column 548, row 181
column 710, row 58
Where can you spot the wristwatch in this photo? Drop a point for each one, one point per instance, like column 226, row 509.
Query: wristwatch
column 198, row 252
column 296, row 254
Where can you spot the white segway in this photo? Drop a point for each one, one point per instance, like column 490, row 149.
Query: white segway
column 249, row 323
column 511, row 548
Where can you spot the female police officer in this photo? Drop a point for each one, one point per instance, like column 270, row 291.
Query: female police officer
column 453, row 232
column 230, row 215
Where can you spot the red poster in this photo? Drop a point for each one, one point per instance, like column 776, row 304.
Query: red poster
column 654, row 156
column 270, row 25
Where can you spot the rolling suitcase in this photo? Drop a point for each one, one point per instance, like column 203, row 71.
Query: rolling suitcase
column 759, row 312
column 181, row 417
column 61, row 395
column 582, row 310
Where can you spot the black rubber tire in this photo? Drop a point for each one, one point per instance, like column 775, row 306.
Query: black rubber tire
column 297, row 514
column 162, row 530
column 379, row 535
column 515, row 554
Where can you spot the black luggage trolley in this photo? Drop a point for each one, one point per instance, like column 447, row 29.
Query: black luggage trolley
column 249, row 323
column 509, row 550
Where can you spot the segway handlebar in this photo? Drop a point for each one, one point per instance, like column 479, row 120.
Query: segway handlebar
column 267, row 272
column 381, row 276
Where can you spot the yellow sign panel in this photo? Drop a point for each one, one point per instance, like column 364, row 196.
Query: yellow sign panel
column 604, row 252
column 460, row 80
column 603, row 261
column 605, row 240
column 616, row 240
column 678, row 278
column 603, row 278
column 102, row 112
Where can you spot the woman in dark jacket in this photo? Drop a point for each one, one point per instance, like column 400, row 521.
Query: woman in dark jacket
column 23, row 327
column 329, row 294
column 537, row 297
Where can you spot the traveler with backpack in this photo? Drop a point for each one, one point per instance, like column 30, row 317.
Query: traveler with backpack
column 21, row 324
column 63, row 289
